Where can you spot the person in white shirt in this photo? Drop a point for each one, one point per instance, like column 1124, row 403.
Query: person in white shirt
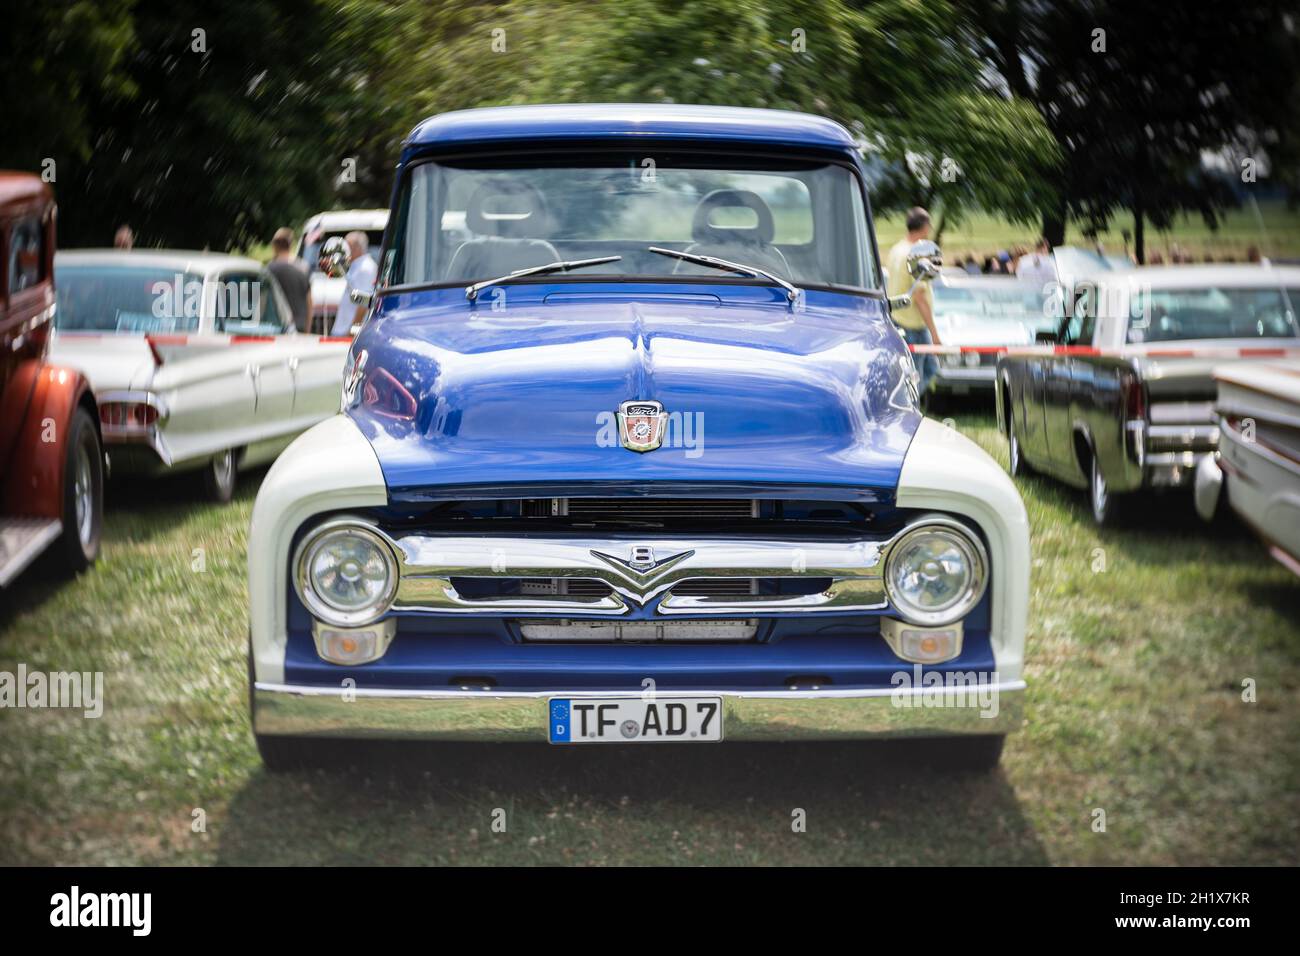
column 1038, row 266
column 361, row 277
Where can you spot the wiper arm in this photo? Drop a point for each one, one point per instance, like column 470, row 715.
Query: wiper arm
column 791, row 292
column 472, row 291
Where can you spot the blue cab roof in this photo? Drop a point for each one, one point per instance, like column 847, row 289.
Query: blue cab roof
column 624, row 120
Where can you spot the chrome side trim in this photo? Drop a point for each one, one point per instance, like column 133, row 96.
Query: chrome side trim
column 761, row 715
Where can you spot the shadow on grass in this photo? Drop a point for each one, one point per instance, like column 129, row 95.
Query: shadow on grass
column 150, row 506
column 402, row 803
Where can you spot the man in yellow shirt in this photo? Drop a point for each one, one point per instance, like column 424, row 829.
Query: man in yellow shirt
column 917, row 320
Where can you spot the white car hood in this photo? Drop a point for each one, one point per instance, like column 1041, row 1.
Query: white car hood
column 963, row 330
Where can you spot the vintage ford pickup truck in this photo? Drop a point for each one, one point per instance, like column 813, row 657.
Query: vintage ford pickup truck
column 639, row 460
column 1124, row 401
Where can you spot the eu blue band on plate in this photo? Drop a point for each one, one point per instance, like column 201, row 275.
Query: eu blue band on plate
column 560, row 721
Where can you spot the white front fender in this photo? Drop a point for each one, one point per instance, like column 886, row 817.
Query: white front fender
column 329, row 467
column 946, row 471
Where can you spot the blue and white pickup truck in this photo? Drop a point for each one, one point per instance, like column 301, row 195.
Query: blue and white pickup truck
column 640, row 460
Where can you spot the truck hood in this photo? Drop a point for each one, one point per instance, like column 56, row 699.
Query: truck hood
column 522, row 400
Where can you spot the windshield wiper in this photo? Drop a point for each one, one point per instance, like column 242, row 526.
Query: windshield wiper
column 472, row 291
column 791, row 292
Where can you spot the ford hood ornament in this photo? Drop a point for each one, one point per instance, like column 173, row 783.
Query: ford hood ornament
column 641, row 425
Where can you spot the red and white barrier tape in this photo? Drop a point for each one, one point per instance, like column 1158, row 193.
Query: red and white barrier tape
column 166, row 339
column 1131, row 351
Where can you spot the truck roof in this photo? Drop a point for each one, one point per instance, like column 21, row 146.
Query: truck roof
column 19, row 187
column 623, row 121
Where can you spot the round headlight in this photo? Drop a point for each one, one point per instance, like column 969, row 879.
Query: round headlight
column 935, row 574
column 347, row 574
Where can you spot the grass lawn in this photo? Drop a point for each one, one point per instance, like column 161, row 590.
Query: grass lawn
column 1135, row 707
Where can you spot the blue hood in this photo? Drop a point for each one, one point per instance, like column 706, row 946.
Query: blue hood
column 521, row 400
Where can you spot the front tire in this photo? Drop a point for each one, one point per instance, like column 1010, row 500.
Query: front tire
column 1016, row 466
column 282, row 754
column 83, row 495
column 1106, row 507
column 220, row 476
column 286, row 754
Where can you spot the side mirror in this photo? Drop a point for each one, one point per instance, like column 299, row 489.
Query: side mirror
column 924, row 260
column 334, row 256
column 924, row 264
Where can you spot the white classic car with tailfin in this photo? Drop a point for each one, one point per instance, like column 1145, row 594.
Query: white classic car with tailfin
column 193, row 358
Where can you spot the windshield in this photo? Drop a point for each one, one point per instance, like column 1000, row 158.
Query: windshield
column 462, row 223
column 1163, row 315
column 998, row 300
column 126, row 299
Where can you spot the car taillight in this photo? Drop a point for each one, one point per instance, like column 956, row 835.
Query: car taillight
column 1135, row 399
column 127, row 414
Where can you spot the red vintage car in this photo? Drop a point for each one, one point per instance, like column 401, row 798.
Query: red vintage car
column 51, row 459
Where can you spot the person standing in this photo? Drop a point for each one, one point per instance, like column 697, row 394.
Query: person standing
column 292, row 276
column 1038, row 266
column 361, row 277
column 917, row 320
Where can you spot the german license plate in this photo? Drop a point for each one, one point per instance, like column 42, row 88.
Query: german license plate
column 604, row 720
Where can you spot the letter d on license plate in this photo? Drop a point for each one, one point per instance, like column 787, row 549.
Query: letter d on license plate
column 604, row 720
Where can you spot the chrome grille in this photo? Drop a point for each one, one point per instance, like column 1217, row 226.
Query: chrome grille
column 590, row 587
column 455, row 574
column 565, row 631
column 642, row 509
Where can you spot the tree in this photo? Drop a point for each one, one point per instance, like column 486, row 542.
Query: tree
column 897, row 72
column 57, row 57
column 199, row 124
column 1136, row 94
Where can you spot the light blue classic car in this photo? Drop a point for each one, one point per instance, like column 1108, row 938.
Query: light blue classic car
column 639, row 460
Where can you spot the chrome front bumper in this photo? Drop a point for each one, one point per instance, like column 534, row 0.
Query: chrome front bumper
column 522, row 716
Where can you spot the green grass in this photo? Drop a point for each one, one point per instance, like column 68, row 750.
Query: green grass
column 983, row 234
column 1134, row 707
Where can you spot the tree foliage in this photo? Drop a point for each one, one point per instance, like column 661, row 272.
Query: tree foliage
column 298, row 105
column 1137, row 94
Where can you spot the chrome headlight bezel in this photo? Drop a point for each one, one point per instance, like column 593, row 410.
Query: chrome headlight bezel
column 318, row 606
column 974, row 554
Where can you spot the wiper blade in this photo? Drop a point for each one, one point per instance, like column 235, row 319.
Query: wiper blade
column 791, row 292
column 472, row 291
